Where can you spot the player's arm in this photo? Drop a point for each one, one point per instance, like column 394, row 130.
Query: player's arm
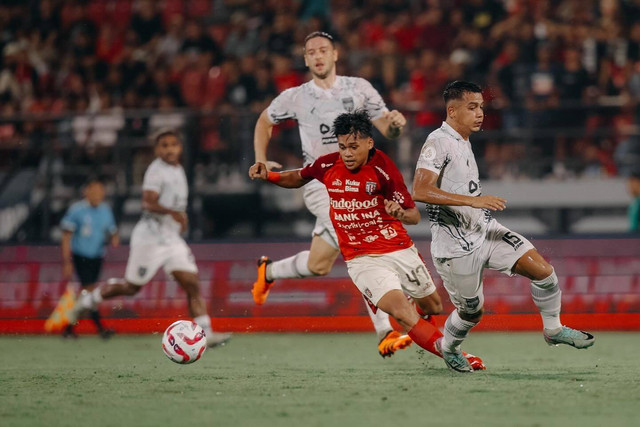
column 286, row 179
column 425, row 189
column 261, row 137
column 409, row 216
column 65, row 245
column 390, row 124
column 150, row 203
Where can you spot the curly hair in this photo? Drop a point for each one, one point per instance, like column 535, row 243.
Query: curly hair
column 356, row 123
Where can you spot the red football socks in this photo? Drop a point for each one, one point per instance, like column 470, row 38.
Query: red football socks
column 425, row 334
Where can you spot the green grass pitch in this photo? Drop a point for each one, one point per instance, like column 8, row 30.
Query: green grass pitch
column 317, row 380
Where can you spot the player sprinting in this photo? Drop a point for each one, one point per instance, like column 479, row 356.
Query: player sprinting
column 86, row 228
column 369, row 203
column 315, row 105
column 466, row 239
column 156, row 239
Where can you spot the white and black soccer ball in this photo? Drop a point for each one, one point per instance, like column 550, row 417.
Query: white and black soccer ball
column 184, row 342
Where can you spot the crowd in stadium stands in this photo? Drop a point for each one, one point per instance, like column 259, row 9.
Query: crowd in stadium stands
column 541, row 62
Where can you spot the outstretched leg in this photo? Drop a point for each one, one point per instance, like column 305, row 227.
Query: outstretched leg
column 547, row 296
column 198, row 307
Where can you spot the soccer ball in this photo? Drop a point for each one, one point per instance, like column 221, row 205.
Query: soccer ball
column 184, row 342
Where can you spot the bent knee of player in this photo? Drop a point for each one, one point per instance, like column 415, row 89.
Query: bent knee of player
column 131, row 289
column 431, row 304
column 319, row 268
column 472, row 317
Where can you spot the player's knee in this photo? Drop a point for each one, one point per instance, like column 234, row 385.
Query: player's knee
column 319, row 268
column 545, row 273
column 131, row 289
column 431, row 306
column 472, row 317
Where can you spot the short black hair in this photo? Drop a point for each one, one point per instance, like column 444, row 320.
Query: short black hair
column 319, row 34
column 94, row 179
column 457, row 89
column 157, row 136
column 356, row 123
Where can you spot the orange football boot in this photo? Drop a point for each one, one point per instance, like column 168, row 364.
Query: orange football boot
column 392, row 342
column 261, row 286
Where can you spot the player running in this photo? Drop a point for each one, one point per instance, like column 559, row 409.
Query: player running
column 315, row 105
column 369, row 203
column 465, row 236
column 156, row 240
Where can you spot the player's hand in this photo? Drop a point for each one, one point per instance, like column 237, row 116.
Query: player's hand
column 67, row 270
column 395, row 119
column 271, row 165
column 490, row 202
column 181, row 218
column 259, row 171
column 115, row 241
column 394, row 209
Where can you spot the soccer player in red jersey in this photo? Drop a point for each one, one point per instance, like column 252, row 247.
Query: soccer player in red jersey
column 369, row 203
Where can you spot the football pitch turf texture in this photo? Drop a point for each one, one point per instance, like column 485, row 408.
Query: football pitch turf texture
column 317, row 380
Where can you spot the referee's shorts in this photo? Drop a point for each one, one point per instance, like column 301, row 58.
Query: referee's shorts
column 87, row 269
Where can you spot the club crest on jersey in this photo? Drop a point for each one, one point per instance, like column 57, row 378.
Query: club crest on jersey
column 142, row 271
column 348, row 104
column 370, row 187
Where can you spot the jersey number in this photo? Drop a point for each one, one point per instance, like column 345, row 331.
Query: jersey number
column 514, row 241
column 420, row 272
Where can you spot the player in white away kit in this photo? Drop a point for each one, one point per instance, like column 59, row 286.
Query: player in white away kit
column 466, row 239
column 315, row 105
column 156, row 241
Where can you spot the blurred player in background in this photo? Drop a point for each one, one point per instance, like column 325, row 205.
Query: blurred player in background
column 369, row 203
column 315, row 105
column 466, row 239
column 86, row 228
column 156, row 239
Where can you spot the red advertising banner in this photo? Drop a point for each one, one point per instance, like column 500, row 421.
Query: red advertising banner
column 600, row 280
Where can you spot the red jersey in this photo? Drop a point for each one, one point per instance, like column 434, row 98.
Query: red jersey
column 357, row 203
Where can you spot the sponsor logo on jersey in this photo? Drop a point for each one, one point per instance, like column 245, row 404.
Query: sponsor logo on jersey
column 398, row 197
column 354, row 204
column 370, row 187
column 388, row 233
column 326, row 165
column 336, row 183
column 142, row 271
column 370, row 238
column 368, row 293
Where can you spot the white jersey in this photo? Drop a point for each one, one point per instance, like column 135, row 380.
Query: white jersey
column 315, row 109
column 456, row 230
column 170, row 182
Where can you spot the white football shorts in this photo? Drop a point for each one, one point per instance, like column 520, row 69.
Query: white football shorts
column 145, row 260
column 462, row 277
column 404, row 270
column 316, row 198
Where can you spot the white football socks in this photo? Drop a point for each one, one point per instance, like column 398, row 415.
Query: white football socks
column 547, row 297
column 455, row 331
column 204, row 322
column 380, row 321
column 294, row 267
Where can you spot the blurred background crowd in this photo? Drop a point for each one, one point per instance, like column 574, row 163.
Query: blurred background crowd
column 84, row 82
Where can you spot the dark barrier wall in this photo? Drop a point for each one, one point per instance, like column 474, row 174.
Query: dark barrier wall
column 600, row 279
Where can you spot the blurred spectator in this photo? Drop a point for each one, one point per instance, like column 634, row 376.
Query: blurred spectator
column 633, row 185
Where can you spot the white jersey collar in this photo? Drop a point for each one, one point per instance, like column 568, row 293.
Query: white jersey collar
column 446, row 128
column 336, row 84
